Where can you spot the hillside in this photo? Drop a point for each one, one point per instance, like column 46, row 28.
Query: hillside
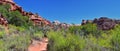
column 11, row 6
column 26, row 31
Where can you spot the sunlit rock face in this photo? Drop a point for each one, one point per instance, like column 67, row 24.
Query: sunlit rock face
column 10, row 1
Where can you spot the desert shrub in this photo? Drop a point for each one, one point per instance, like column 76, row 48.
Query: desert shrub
column 1, row 45
column 75, row 29
column 14, row 17
column 115, row 41
column 107, row 41
column 17, row 19
column 102, row 43
column 4, row 9
column 17, row 43
column 70, row 42
column 2, row 34
column 86, row 30
column 18, row 40
column 2, row 31
column 37, row 35
column 96, row 40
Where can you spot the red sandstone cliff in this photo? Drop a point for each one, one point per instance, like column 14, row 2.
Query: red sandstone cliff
column 33, row 17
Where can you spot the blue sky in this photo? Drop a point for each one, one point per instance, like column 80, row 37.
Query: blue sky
column 72, row 11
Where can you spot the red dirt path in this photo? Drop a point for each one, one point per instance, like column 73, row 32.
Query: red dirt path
column 39, row 45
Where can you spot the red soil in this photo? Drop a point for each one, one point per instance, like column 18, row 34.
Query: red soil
column 39, row 46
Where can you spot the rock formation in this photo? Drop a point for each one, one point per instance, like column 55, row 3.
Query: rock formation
column 83, row 22
column 34, row 17
column 117, row 21
column 4, row 22
column 103, row 23
column 57, row 25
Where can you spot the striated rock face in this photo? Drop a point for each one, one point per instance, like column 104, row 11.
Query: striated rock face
column 33, row 17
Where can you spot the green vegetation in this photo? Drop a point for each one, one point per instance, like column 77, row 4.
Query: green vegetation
column 20, row 29
column 68, row 42
column 75, row 38
column 91, row 39
column 14, row 17
column 18, row 40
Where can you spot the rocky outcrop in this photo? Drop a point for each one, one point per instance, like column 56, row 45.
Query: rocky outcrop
column 57, row 25
column 103, row 23
column 3, row 20
column 86, row 21
column 83, row 22
column 38, row 20
column 117, row 21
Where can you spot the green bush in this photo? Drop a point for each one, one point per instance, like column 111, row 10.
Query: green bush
column 14, row 17
column 15, row 42
column 86, row 30
column 70, row 42
column 115, row 41
column 18, row 40
column 96, row 40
